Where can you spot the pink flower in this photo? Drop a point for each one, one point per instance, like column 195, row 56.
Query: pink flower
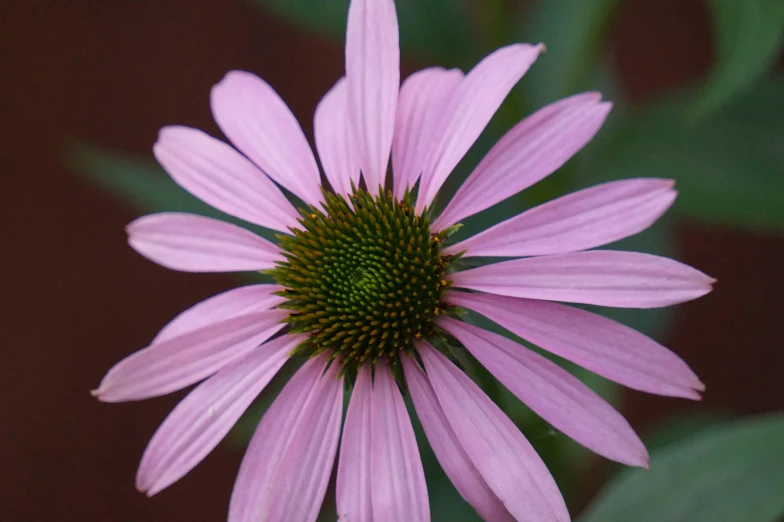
column 367, row 286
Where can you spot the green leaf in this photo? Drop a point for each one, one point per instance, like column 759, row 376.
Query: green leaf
column 749, row 36
column 673, row 430
column 433, row 29
column 730, row 473
column 574, row 32
column 729, row 170
column 142, row 184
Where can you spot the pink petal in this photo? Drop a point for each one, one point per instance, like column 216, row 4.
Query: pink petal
column 420, row 107
column 585, row 219
column 397, row 481
column 303, row 473
column 354, row 475
column 237, row 301
column 373, row 79
column 599, row 277
column 205, row 416
column 178, row 362
column 252, row 115
column 469, row 110
column 450, row 453
column 220, row 176
column 552, row 393
column 193, row 243
column 279, row 436
column 596, row 343
column 335, row 142
column 503, row 456
column 535, row 148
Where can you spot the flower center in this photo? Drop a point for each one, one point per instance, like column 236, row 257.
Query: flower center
column 364, row 278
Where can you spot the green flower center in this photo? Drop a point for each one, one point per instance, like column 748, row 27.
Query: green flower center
column 364, row 278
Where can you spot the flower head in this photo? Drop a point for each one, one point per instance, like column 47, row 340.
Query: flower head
column 369, row 290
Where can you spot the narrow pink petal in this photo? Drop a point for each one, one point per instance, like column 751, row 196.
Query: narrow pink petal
column 398, row 488
column 420, row 107
column 535, row 148
column 450, row 453
column 554, row 394
column 301, row 479
column 373, row 79
column 220, row 176
column 585, row 219
column 178, row 362
column 193, row 243
column 503, row 456
column 354, row 475
column 251, row 498
column 335, row 142
column 596, row 343
column 205, row 416
column 237, row 301
column 599, row 277
column 252, row 115
column 469, row 110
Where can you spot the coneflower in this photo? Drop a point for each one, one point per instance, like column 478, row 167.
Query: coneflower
column 369, row 292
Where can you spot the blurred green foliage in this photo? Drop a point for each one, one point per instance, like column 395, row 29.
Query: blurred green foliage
column 574, row 33
column 434, row 29
column 749, row 36
column 729, row 473
column 723, row 143
column 143, row 184
column 729, row 168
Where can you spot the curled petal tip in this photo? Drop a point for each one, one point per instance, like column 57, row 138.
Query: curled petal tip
column 645, row 462
column 696, row 391
column 706, row 283
column 100, row 394
column 141, row 487
column 147, row 486
column 228, row 77
column 591, row 96
column 231, row 74
column 133, row 226
column 165, row 131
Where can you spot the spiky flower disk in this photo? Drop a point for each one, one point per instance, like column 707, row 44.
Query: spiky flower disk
column 364, row 279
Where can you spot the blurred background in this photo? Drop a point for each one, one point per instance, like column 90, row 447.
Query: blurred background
column 698, row 88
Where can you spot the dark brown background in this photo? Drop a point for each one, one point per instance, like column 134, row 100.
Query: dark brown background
column 77, row 299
